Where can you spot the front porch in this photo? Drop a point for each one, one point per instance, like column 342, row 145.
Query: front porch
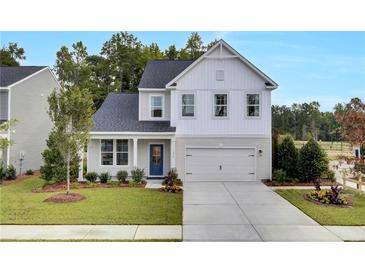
column 111, row 153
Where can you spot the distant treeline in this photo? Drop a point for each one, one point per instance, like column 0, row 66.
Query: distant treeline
column 304, row 120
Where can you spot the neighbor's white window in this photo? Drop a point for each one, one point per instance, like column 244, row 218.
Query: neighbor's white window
column 122, row 152
column 106, row 152
column 253, row 105
column 156, row 106
column 220, row 105
column 187, row 105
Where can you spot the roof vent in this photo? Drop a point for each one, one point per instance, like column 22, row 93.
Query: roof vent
column 219, row 75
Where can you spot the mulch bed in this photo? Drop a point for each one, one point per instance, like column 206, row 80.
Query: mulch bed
column 323, row 183
column 56, row 187
column 65, row 198
column 349, row 202
column 19, row 178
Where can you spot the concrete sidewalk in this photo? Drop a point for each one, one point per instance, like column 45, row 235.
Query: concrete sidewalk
column 90, row 232
column 348, row 233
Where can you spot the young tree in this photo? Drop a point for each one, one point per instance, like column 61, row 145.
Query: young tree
column 72, row 67
column 4, row 141
column 312, row 161
column 70, row 110
column 351, row 117
column 11, row 55
column 288, row 157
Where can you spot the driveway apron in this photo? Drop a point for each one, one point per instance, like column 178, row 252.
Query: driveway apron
column 244, row 211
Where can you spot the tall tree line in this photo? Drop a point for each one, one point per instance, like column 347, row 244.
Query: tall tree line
column 120, row 63
column 305, row 120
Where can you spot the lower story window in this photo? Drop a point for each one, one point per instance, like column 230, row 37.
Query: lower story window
column 106, row 152
column 122, row 152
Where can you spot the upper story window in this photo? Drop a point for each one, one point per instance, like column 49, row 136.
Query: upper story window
column 122, row 152
column 106, row 152
column 220, row 105
column 188, row 105
column 253, row 105
column 156, row 106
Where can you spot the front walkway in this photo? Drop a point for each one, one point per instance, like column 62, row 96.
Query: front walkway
column 245, row 211
column 90, row 232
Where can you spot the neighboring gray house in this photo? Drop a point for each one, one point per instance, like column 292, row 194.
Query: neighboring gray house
column 209, row 118
column 23, row 96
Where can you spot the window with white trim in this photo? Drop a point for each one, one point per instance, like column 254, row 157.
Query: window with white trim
column 122, row 152
column 156, row 106
column 187, row 105
column 220, row 105
column 106, row 152
column 253, row 105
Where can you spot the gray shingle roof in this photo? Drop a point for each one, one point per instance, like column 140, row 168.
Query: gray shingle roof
column 11, row 75
column 158, row 73
column 119, row 112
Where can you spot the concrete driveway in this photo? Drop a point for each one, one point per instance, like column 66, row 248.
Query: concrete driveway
column 244, row 211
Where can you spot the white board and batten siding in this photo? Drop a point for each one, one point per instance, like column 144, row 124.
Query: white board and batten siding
column 239, row 79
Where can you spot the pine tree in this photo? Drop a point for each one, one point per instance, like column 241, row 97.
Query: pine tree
column 288, row 157
column 313, row 161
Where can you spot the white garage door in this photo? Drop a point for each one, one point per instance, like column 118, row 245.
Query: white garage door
column 220, row 164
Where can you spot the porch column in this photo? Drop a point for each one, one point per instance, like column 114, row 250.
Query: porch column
column 135, row 152
column 81, row 166
column 172, row 151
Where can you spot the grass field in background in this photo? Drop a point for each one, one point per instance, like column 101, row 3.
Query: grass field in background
column 333, row 149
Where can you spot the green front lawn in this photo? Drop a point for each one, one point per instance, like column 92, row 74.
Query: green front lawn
column 19, row 205
column 328, row 215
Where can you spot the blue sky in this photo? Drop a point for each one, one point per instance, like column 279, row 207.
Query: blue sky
column 328, row 67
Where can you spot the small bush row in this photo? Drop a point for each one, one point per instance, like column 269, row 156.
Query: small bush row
column 7, row 173
column 137, row 176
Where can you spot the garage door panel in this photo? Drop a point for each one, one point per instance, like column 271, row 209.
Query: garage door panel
column 218, row 164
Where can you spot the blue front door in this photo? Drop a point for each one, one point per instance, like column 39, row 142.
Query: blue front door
column 156, row 160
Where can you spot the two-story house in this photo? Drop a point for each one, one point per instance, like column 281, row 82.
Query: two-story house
column 23, row 96
column 210, row 119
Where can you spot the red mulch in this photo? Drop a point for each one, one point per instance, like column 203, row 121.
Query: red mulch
column 349, row 202
column 56, row 187
column 65, row 198
column 323, row 183
column 20, row 178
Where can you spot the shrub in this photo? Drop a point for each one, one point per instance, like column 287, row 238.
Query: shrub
column 10, row 173
column 54, row 167
column 2, row 172
column 104, row 177
column 91, row 177
column 330, row 175
column 172, row 177
column 29, row 172
column 122, row 176
column 280, row 176
column 288, row 157
column 275, row 147
column 137, row 174
column 312, row 161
